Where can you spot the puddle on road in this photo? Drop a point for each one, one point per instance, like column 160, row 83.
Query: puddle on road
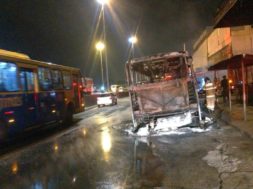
column 148, row 169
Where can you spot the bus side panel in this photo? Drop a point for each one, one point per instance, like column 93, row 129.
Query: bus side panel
column 30, row 109
column 60, row 104
column 51, row 106
column 12, row 116
column 46, row 106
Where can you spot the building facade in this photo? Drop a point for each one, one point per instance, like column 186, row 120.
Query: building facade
column 224, row 51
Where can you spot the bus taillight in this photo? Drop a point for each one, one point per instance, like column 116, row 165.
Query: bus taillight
column 8, row 113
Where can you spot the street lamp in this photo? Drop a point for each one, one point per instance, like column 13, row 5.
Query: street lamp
column 100, row 46
column 132, row 40
column 103, row 2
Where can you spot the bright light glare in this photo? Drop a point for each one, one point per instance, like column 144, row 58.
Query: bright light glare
column 84, row 132
column 56, row 147
column 103, row 2
column 14, row 168
column 106, row 141
column 102, row 88
column 132, row 39
column 100, row 46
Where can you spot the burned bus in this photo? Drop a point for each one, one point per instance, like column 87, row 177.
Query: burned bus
column 163, row 86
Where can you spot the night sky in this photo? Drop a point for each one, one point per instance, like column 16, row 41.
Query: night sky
column 63, row 31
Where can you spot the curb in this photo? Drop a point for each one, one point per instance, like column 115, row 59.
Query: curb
column 90, row 107
column 227, row 119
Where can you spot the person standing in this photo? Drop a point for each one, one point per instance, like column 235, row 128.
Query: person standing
column 224, row 87
column 210, row 94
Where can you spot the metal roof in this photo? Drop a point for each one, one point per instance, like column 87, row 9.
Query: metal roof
column 158, row 57
column 234, row 13
column 23, row 58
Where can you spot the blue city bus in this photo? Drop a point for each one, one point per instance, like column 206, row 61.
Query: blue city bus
column 35, row 93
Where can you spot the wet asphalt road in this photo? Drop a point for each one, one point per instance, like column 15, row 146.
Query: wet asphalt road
column 97, row 152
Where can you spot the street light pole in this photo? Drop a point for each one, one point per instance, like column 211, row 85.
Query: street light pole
column 132, row 40
column 102, row 70
column 100, row 47
column 103, row 3
column 106, row 60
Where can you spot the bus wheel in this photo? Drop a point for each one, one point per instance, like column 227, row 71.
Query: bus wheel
column 68, row 116
column 3, row 132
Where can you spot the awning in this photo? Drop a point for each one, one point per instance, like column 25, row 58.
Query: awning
column 233, row 62
column 234, row 13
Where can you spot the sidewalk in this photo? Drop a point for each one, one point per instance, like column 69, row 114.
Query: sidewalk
column 236, row 119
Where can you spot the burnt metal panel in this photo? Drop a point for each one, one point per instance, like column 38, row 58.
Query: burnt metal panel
column 169, row 96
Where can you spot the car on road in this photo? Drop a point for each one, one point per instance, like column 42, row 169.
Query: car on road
column 105, row 99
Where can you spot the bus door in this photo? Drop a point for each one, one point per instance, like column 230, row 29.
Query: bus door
column 77, row 94
column 27, row 79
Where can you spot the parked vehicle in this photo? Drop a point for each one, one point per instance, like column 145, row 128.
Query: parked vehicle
column 162, row 86
column 105, row 99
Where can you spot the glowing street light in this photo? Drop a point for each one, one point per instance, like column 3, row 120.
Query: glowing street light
column 103, row 2
column 132, row 40
column 100, row 46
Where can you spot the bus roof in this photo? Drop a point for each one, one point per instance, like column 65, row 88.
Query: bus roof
column 25, row 59
column 13, row 54
column 158, row 57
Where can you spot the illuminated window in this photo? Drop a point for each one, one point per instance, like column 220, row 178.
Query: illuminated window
column 57, row 79
column 45, row 80
column 67, row 80
column 27, row 79
column 8, row 77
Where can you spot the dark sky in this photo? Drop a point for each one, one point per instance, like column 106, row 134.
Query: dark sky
column 63, row 31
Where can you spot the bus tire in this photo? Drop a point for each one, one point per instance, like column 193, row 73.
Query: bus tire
column 68, row 116
column 3, row 132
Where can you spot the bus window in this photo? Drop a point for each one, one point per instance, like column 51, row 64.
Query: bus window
column 8, row 77
column 67, row 80
column 27, row 79
column 57, row 79
column 45, row 81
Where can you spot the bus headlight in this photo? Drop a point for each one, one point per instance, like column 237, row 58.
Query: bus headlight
column 11, row 121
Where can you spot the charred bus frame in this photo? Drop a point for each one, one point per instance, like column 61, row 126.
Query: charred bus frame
column 163, row 85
